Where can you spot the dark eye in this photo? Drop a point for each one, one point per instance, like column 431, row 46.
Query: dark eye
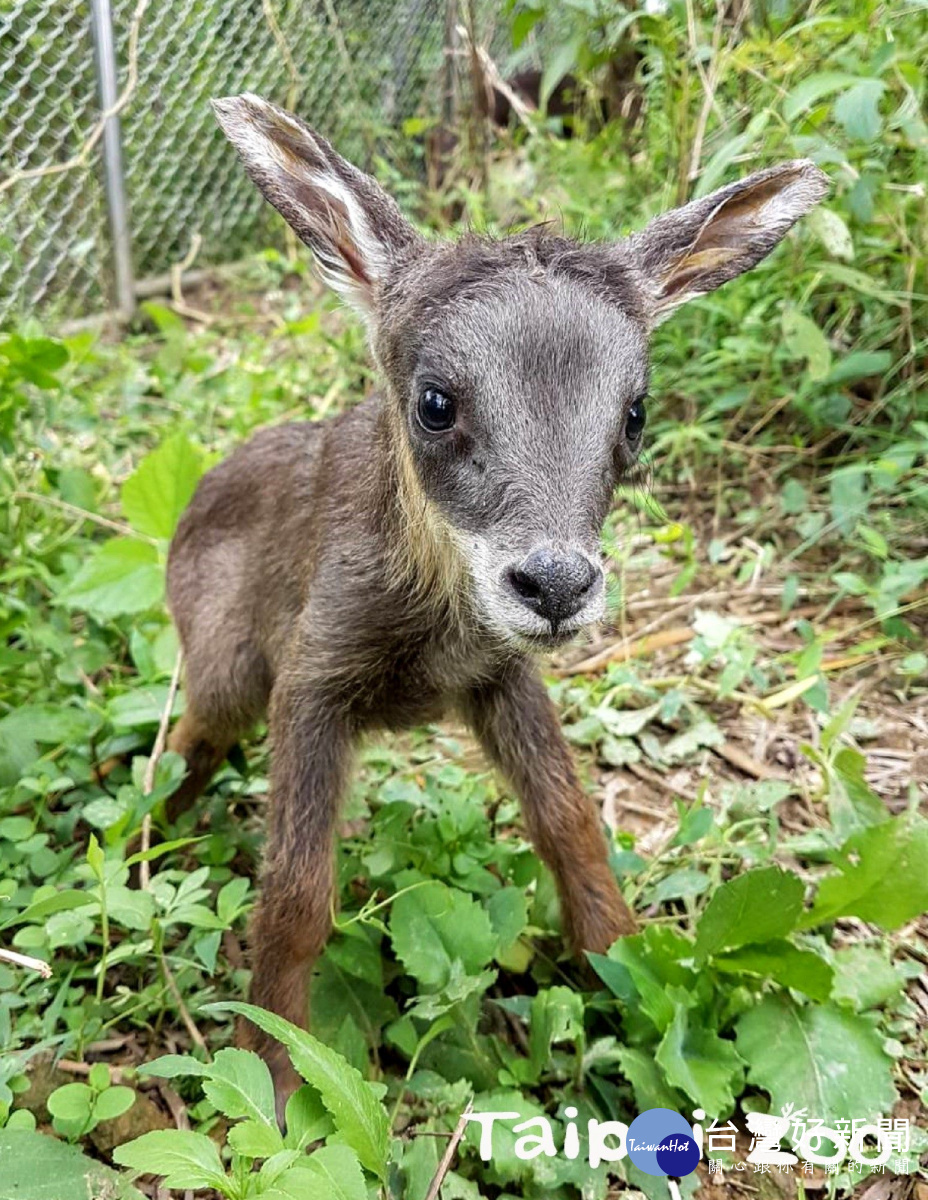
column 435, row 411
column 635, row 420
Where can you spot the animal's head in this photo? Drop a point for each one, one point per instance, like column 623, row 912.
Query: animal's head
column 518, row 368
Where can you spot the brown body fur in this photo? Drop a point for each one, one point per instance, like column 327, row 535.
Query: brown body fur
column 282, row 582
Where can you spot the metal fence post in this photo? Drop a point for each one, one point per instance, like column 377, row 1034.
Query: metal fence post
column 107, row 80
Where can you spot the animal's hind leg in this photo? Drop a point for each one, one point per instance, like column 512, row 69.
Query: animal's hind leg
column 226, row 695
column 204, row 749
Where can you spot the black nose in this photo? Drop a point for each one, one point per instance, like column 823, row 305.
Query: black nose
column 554, row 584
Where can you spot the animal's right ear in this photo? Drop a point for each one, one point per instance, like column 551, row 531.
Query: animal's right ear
column 695, row 249
column 353, row 227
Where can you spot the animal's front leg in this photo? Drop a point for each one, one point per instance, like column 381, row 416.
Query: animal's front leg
column 311, row 753
column 519, row 729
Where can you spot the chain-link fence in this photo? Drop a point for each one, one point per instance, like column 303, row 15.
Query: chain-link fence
column 89, row 206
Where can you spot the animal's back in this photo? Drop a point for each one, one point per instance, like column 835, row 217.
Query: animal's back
column 235, row 587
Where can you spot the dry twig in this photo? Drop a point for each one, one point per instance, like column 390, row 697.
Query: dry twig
column 148, row 783
column 445, row 1164
column 178, row 303
column 632, row 648
column 521, row 106
column 196, row 1037
column 27, row 961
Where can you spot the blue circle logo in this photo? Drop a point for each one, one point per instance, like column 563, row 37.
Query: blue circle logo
column 677, row 1155
column 660, row 1142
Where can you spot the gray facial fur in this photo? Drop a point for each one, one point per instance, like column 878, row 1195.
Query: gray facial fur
column 542, row 370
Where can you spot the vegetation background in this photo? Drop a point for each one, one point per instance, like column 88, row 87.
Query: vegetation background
column 753, row 718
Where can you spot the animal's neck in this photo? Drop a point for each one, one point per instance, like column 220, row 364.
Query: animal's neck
column 422, row 554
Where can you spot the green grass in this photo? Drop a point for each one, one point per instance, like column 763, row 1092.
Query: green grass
column 752, row 718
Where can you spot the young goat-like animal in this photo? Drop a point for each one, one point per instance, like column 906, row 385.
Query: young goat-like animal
column 409, row 556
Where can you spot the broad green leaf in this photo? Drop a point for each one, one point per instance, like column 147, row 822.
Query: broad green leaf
column 78, row 487
column 848, row 487
column 758, row 906
column 51, row 724
column 696, row 822
column 95, row 857
column 99, row 1076
column 647, row 1079
column 832, row 232
column 157, row 851
column 859, row 364
column 231, row 898
column 330, row 1173
column 561, row 61
column 852, row 803
column 239, row 1084
column 802, row 338
column 36, row 1167
column 652, row 959
column 113, row 1103
column 133, row 908
column 858, row 110
column 626, row 722
column 523, row 23
column 173, row 1066
column 185, row 1159
column 683, row 884
column 418, row 1165
column 142, row 706
column 336, row 994
column 783, row 963
column 122, row 576
column 161, row 487
column 728, row 151
column 17, row 754
column 360, row 1119
column 255, row 1139
column 882, row 876
column 35, row 359
column 508, row 912
column 865, row 977
column 859, row 281
column 104, row 812
column 821, row 1058
column 306, row 1118
column 615, row 975
column 696, row 1060
column 431, row 926
column 793, row 497
column 556, row 1016
column 274, row 1167
column 838, row 724
column 63, row 901
column 814, row 88
column 72, row 1102
column 165, row 320
column 459, row 988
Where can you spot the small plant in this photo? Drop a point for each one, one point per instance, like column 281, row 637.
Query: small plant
column 78, row 1108
column 336, row 1107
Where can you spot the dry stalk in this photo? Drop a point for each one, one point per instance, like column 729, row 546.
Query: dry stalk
column 27, row 961
column 148, row 783
column 178, row 303
column 445, row 1165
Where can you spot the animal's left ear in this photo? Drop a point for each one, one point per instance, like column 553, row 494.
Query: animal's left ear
column 695, row 249
column 349, row 222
